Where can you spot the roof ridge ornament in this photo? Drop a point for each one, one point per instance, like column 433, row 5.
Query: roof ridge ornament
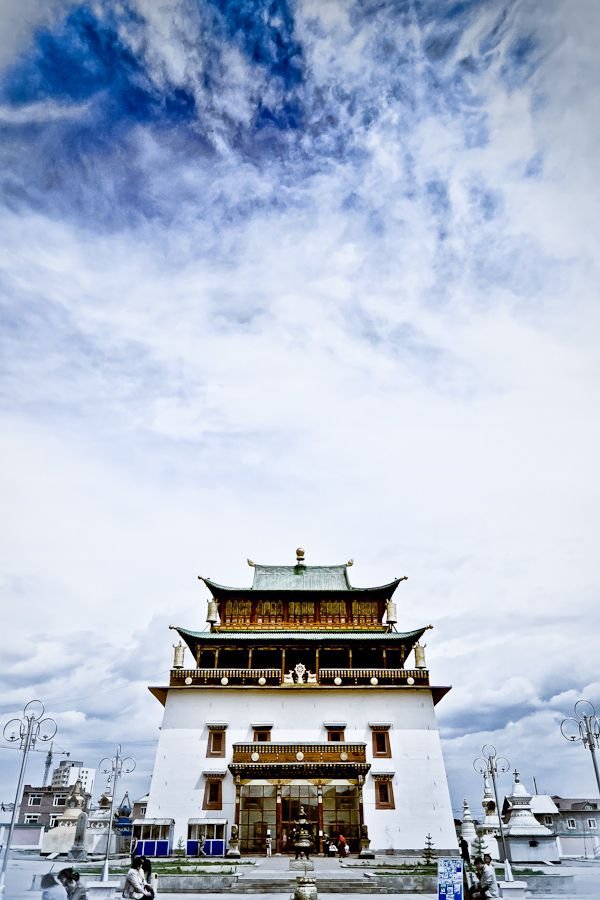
column 300, row 555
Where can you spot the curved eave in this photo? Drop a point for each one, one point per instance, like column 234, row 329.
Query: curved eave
column 208, row 638
column 222, row 591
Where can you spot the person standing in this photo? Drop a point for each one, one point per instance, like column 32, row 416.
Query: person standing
column 342, row 844
column 268, row 844
column 464, row 852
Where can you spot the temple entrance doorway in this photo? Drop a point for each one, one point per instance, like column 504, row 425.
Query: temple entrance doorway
column 259, row 814
column 294, row 796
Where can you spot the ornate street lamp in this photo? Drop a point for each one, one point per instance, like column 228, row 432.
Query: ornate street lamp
column 28, row 730
column 491, row 764
column 584, row 726
column 114, row 768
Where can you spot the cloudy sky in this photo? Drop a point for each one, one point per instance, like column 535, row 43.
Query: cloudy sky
column 301, row 272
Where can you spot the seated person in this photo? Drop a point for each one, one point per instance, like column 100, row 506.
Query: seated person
column 486, row 886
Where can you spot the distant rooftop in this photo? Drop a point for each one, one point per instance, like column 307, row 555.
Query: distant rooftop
column 574, row 803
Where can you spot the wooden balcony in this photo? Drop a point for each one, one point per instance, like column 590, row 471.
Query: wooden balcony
column 271, row 752
column 326, row 677
column 299, row 760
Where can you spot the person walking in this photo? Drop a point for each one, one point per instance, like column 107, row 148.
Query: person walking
column 342, row 844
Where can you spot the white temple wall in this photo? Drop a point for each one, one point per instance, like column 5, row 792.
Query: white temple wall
column 422, row 801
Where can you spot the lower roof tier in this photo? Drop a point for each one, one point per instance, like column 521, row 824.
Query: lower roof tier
column 284, row 637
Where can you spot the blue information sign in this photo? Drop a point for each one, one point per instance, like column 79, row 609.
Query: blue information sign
column 450, row 878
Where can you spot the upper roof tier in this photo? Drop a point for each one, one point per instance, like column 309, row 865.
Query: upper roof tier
column 300, row 578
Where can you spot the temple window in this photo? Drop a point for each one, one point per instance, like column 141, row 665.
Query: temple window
column 336, row 731
column 381, row 741
column 262, row 733
column 331, row 611
column 207, row 659
column 301, row 610
column 269, row 611
column 395, row 657
column 384, row 794
column 365, row 612
column 334, row 658
column 266, row 658
column 216, row 740
column 213, row 792
column 233, row 658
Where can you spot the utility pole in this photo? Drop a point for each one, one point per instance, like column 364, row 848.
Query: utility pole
column 491, row 764
column 27, row 731
column 114, row 768
column 584, row 726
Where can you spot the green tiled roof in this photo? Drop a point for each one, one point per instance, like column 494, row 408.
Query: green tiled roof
column 301, row 578
column 304, row 636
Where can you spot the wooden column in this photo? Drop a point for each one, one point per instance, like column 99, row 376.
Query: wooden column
column 250, row 658
column 361, row 814
column 238, row 796
column 278, row 848
column 317, row 663
column 282, row 664
column 320, row 835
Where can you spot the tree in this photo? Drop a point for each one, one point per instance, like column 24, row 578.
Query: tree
column 428, row 852
column 479, row 846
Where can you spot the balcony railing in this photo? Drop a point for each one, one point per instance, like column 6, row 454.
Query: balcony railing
column 374, row 676
column 225, row 677
column 234, row 677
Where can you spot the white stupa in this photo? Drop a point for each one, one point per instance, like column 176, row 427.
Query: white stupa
column 490, row 828
column 467, row 829
column 529, row 841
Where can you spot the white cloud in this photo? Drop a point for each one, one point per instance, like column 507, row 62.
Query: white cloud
column 326, row 371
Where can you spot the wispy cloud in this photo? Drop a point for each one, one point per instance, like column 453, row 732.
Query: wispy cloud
column 301, row 272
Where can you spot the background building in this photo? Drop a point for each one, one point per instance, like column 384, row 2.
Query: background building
column 577, row 827
column 300, row 694
column 69, row 771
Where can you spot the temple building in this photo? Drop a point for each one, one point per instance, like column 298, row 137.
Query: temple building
column 302, row 693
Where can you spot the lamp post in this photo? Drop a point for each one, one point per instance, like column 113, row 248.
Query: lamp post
column 584, row 726
column 30, row 728
column 491, row 764
column 114, row 768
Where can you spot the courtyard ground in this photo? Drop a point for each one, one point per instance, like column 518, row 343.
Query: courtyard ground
column 24, row 866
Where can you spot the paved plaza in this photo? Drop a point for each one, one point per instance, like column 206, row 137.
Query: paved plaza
column 23, row 867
